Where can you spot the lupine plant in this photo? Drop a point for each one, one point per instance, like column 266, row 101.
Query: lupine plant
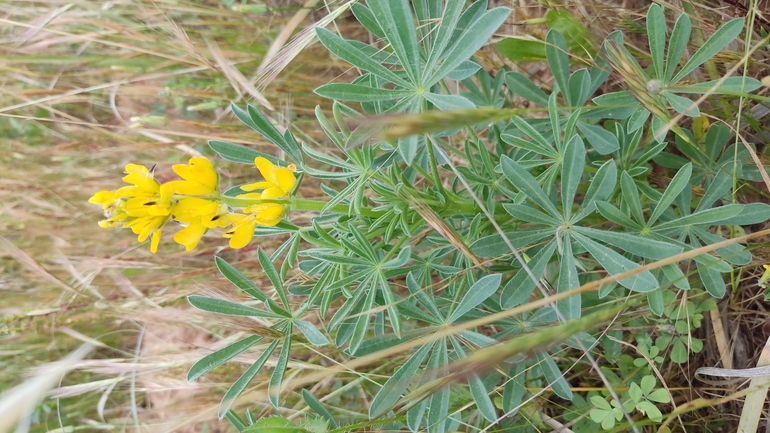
column 446, row 209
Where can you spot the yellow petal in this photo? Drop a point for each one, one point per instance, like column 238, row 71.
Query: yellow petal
column 270, row 216
column 285, row 179
column 194, row 207
column 243, row 234
column 144, row 183
column 257, row 185
column 251, row 195
column 270, row 193
column 189, row 188
column 266, row 169
column 190, row 236
column 204, row 172
column 155, row 241
column 137, row 169
column 104, row 198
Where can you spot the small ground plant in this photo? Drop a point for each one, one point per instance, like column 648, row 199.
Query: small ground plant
column 487, row 248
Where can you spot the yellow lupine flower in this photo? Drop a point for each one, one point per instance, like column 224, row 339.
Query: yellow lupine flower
column 198, row 215
column 278, row 183
column 276, row 178
column 144, row 206
column 242, row 231
column 200, row 178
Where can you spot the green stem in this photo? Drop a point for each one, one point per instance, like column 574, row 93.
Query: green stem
column 296, row 203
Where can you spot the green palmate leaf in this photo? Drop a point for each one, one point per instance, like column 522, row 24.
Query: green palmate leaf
column 349, row 53
column 558, row 61
column 397, row 23
column 601, row 187
column 656, row 34
column 448, row 102
column 537, row 144
column 359, row 93
column 362, row 323
column 571, row 172
column 707, row 216
column 579, row 87
column 514, row 389
column 478, row 293
column 495, row 246
column 238, row 279
column 554, row 376
column 328, row 129
column 680, row 36
column 471, row 41
column 313, row 335
column 220, row 306
column 682, row 105
column 465, row 70
column 407, row 148
column 613, row 214
column 519, row 49
column 274, row 387
column 260, row 123
column 726, row 34
column 527, row 184
column 527, row 213
column 365, row 16
column 568, row 280
column 678, row 183
column 423, row 298
column 655, row 301
column 240, row 154
column 713, row 282
column 481, row 397
column 395, row 386
column 237, row 388
column 443, row 34
column 318, row 407
column 518, row 290
column 439, row 402
column 520, row 85
column 615, row 263
column 209, row 362
column 753, row 213
column 615, row 105
column 634, row 244
column 401, row 259
column 274, row 276
column 731, row 85
column 631, row 196
column 602, row 140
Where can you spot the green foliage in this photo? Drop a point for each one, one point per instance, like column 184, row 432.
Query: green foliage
column 421, row 233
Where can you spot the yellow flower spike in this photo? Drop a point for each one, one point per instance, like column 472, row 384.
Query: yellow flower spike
column 200, row 178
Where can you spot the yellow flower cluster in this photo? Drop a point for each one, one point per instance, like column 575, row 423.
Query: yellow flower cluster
column 146, row 205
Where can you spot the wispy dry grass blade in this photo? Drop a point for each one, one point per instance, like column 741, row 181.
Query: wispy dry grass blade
column 270, row 69
column 754, row 405
column 239, row 82
column 18, row 403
